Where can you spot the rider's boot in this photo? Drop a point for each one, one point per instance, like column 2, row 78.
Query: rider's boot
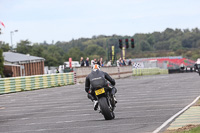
column 95, row 105
column 115, row 99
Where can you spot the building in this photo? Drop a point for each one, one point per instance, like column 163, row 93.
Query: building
column 16, row 64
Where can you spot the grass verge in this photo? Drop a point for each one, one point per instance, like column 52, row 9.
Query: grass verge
column 197, row 104
column 186, row 129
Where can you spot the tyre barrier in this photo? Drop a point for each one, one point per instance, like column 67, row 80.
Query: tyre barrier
column 16, row 84
column 149, row 71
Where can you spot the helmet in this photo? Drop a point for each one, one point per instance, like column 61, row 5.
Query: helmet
column 95, row 67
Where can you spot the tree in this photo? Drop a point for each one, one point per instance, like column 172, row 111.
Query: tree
column 187, row 42
column 151, row 40
column 145, row 46
column 53, row 56
column 24, row 47
column 4, row 46
column 37, row 50
column 174, row 44
column 95, row 50
column 75, row 54
column 1, row 63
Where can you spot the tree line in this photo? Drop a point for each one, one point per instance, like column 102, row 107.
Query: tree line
column 170, row 42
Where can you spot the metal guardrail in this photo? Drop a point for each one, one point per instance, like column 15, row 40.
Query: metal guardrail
column 149, row 71
column 8, row 85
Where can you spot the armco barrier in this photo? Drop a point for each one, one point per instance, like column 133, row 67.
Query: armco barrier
column 149, row 71
column 16, row 84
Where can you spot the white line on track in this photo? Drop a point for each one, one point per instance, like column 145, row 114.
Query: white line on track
column 174, row 116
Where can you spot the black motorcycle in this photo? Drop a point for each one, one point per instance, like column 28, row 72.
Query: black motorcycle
column 197, row 68
column 106, row 103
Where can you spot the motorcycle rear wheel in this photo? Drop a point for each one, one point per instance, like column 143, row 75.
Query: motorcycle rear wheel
column 105, row 110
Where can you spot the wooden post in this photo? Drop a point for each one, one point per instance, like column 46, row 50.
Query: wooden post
column 42, row 67
column 38, row 72
column 36, row 68
column 12, row 70
column 27, row 69
column 118, row 72
column 30, row 68
column 24, row 70
column 33, row 68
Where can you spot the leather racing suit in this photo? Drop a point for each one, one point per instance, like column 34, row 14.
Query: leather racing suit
column 95, row 75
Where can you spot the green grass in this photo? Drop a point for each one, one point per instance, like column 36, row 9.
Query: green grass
column 198, row 104
column 194, row 130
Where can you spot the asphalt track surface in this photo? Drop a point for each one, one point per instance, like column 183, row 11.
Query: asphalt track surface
column 144, row 103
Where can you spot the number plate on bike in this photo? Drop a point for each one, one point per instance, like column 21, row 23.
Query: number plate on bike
column 100, row 91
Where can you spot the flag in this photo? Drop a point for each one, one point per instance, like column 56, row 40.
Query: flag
column 113, row 53
column 138, row 65
column 2, row 24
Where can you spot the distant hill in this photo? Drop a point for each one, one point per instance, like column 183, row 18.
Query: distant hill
column 170, row 42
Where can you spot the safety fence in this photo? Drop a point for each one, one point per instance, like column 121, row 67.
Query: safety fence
column 149, row 71
column 8, row 85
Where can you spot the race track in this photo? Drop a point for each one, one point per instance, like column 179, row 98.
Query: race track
column 144, row 103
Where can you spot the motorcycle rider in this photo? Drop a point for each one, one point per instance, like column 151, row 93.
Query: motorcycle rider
column 98, row 79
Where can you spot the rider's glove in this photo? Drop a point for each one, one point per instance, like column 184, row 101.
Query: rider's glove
column 113, row 83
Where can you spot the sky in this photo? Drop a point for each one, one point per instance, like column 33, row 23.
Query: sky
column 64, row 20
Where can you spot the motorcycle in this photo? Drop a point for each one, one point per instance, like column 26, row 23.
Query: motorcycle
column 106, row 103
column 197, row 68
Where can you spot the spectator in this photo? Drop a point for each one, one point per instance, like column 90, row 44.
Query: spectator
column 129, row 62
column 109, row 63
column 82, row 62
column 87, row 61
column 101, row 61
column 120, row 62
column 98, row 62
column 93, row 62
column 124, row 62
column 57, row 71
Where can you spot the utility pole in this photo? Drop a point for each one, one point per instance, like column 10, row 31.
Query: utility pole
column 11, row 34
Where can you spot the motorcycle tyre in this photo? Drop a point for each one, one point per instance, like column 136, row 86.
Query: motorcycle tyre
column 105, row 110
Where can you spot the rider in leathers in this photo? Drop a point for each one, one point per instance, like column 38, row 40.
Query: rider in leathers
column 93, row 78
